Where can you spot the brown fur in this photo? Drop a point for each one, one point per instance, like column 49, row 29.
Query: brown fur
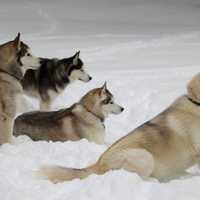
column 13, row 60
column 194, row 89
column 9, row 87
column 162, row 148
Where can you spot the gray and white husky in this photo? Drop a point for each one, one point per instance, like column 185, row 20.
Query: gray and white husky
column 84, row 119
column 52, row 77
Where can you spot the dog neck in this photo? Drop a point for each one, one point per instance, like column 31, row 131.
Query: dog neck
column 102, row 119
column 193, row 101
column 18, row 78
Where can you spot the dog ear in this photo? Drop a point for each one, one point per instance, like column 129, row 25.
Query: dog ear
column 104, row 88
column 75, row 58
column 193, row 88
column 17, row 42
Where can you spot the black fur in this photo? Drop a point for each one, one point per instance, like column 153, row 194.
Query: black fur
column 194, row 102
column 52, row 75
column 22, row 52
column 41, row 118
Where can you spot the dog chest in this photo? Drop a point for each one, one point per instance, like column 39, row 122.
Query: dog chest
column 95, row 133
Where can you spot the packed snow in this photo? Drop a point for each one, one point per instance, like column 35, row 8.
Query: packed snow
column 147, row 51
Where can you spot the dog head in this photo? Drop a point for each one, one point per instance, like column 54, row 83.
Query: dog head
column 25, row 57
column 193, row 88
column 16, row 56
column 100, row 102
column 76, row 69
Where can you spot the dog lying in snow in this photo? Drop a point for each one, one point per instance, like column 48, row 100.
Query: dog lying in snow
column 84, row 119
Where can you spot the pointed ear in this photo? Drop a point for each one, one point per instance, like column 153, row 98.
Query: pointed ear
column 75, row 58
column 104, row 88
column 17, row 42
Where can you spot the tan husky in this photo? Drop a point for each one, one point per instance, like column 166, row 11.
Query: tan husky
column 15, row 57
column 84, row 119
column 163, row 147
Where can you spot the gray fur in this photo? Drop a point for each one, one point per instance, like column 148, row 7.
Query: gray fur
column 84, row 119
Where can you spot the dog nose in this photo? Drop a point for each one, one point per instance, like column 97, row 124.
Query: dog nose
column 90, row 78
column 122, row 109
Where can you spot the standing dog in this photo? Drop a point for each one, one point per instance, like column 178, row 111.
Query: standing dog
column 82, row 120
column 15, row 58
column 163, row 147
column 52, row 77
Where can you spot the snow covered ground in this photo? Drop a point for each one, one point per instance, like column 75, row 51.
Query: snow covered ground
column 146, row 50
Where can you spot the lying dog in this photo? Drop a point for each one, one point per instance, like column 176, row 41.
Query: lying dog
column 163, row 147
column 15, row 58
column 52, row 77
column 84, row 119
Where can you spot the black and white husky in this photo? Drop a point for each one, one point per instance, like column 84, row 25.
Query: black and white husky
column 53, row 75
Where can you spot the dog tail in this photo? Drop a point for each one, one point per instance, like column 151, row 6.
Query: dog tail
column 58, row 174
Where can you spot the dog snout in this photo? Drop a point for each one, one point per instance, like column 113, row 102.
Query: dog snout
column 117, row 109
column 87, row 78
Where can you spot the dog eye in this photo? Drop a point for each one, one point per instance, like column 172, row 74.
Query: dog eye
column 105, row 101
column 28, row 54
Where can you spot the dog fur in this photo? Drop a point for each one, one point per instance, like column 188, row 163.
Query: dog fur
column 163, row 147
column 14, row 58
column 84, row 119
column 52, row 77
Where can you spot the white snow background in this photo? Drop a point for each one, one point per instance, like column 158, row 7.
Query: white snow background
column 147, row 51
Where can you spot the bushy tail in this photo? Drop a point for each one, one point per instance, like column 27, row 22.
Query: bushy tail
column 60, row 174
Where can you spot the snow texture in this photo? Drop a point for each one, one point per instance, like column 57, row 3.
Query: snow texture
column 147, row 51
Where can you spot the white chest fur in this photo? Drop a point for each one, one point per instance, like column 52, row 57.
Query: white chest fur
column 95, row 133
column 90, row 126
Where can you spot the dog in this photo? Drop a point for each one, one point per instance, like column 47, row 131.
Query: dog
column 163, row 147
column 84, row 119
column 52, row 77
column 15, row 59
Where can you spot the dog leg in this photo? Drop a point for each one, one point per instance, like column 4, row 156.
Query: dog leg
column 139, row 161
column 6, row 130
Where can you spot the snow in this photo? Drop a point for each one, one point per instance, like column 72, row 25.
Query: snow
column 146, row 50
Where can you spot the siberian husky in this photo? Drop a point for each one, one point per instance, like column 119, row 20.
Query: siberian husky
column 52, row 77
column 15, row 58
column 84, row 119
column 163, row 147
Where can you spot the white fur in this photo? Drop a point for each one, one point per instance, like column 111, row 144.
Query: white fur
column 111, row 107
column 79, row 74
column 29, row 61
column 94, row 132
